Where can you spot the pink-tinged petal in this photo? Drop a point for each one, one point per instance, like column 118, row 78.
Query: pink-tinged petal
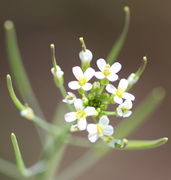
column 82, row 124
column 112, row 77
column 70, row 117
column 93, row 137
column 92, row 128
column 128, row 96
column 104, row 121
column 99, row 75
column 108, row 130
column 78, row 104
column 74, row 85
column 89, row 73
column 123, row 84
column 101, row 64
column 116, row 67
column 127, row 114
column 87, row 86
column 90, row 111
column 78, row 73
column 111, row 89
column 118, row 100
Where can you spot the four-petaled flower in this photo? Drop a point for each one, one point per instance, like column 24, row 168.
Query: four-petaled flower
column 99, row 130
column 120, row 93
column 123, row 110
column 82, row 78
column 70, row 98
column 80, row 114
column 107, row 71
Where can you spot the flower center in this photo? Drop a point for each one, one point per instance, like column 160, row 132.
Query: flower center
column 82, row 81
column 68, row 97
column 100, row 130
column 119, row 92
column 80, row 114
column 107, row 71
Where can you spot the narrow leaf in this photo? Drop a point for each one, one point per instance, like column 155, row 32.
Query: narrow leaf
column 126, row 127
column 120, row 41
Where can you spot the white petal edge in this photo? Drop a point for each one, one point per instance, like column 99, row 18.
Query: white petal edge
column 93, row 137
column 127, row 114
column 92, row 128
column 74, row 85
column 111, row 89
column 99, row 75
column 118, row 100
column 70, row 117
column 101, row 64
column 89, row 73
column 90, row 111
column 116, row 67
column 128, row 96
column 112, row 77
column 123, row 84
column 78, row 73
column 108, row 130
column 104, row 121
column 78, row 104
column 87, row 86
column 82, row 124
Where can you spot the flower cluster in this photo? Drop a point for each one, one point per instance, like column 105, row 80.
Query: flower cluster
column 96, row 97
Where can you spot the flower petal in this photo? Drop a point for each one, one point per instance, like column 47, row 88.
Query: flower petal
column 82, row 124
column 127, row 114
column 78, row 73
column 108, row 130
column 92, row 137
column 128, row 96
column 90, row 111
column 89, row 73
column 99, row 75
column 87, row 86
column 117, row 100
column 112, row 77
column 70, row 117
column 92, row 128
column 111, row 89
column 78, row 104
column 86, row 56
column 74, row 85
column 116, row 67
column 101, row 64
column 123, row 84
column 104, row 121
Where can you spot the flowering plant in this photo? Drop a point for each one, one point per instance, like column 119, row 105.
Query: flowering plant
column 96, row 97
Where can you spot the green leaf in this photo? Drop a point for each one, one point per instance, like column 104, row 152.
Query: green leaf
column 18, row 69
column 120, row 41
column 126, row 127
column 18, row 156
column 145, row 144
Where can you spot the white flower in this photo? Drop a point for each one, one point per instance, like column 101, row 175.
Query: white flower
column 123, row 109
column 120, row 93
column 132, row 79
column 58, row 73
column 82, row 78
column 115, row 142
column 99, row 130
column 80, row 114
column 86, row 56
column 70, row 98
column 27, row 113
column 107, row 71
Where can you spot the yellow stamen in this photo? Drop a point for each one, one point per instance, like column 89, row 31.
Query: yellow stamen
column 82, row 81
column 80, row 114
column 119, row 92
column 107, row 71
column 100, row 130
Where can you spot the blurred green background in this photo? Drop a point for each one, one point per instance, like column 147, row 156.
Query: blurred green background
column 62, row 22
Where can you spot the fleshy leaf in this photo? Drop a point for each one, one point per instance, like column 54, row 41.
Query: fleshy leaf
column 120, row 41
